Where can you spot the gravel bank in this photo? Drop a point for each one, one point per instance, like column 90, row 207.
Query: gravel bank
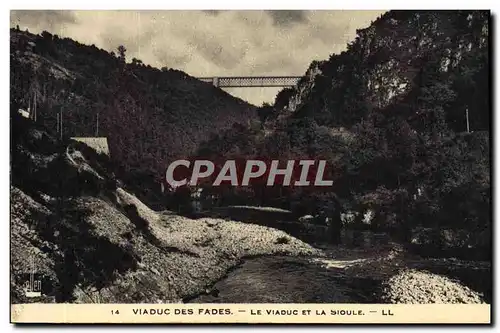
column 414, row 287
column 120, row 251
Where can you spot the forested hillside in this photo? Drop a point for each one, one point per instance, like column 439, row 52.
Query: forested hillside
column 390, row 116
column 415, row 60
column 150, row 116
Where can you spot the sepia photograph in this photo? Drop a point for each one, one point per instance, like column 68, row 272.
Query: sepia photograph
column 187, row 162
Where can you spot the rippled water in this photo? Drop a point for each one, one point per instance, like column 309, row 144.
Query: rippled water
column 283, row 280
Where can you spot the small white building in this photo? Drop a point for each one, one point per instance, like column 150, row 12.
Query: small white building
column 24, row 113
column 99, row 144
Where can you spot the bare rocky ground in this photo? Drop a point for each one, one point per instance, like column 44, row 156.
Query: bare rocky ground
column 413, row 287
column 98, row 243
column 106, row 255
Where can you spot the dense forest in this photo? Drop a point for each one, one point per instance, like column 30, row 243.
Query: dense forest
column 402, row 116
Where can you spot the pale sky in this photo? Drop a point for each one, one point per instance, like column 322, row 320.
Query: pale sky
column 211, row 43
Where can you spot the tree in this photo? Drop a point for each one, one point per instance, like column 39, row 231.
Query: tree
column 136, row 62
column 265, row 111
column 46, row 35
column 121, row 51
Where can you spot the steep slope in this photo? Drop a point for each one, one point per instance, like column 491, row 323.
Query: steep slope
column 407, row 109
column 402, row 118
column 149, row 116
column 393, row 62
column 89, row 240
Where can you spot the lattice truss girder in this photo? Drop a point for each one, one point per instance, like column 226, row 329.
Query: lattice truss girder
column 252, row 81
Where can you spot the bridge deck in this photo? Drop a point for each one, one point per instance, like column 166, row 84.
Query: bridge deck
column 251, row 81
